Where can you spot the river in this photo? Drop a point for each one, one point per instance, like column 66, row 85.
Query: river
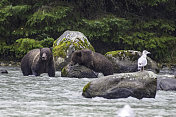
column 29, row 96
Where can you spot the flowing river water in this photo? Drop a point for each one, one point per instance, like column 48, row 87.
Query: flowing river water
column 29, row 96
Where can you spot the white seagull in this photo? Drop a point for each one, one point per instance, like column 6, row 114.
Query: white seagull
column 142, row 61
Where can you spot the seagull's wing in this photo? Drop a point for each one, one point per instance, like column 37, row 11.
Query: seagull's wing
column 142, row 61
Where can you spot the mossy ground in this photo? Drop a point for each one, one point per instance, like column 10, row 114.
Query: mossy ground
column 121, row 54
column 64, row 72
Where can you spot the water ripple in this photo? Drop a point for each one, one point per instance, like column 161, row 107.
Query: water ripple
column 61, row 97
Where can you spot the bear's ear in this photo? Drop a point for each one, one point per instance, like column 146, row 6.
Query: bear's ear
column 51, row 48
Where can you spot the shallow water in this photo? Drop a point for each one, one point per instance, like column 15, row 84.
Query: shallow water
column 61, row 97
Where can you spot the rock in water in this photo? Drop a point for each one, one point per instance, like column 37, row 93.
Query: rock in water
column 125, row 61
column 138, row 84
column 78, row 71
column 66, row 44
column 3, row 71
column 166, row 84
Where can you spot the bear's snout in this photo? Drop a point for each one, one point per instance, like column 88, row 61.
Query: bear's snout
column 44, row 57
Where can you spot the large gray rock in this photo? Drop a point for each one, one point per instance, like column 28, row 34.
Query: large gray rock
column 78, row 71
column 138, row 84
column 126, row 61
column 166, row 84
column 66, row 44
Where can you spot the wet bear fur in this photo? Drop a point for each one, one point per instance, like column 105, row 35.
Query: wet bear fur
column 92, row 60
column 38, row 61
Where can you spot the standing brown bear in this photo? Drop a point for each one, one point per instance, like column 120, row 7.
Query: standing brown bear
column 93, row 60
column 38, row 61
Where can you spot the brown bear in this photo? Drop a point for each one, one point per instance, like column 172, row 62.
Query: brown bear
column 38, row 61
column 92, row 60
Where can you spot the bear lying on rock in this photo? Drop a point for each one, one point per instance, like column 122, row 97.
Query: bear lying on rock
column 92, row 60
column 38, row 61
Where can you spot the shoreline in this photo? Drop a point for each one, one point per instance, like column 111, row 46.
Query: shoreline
column 10, row 63
column 165, row 68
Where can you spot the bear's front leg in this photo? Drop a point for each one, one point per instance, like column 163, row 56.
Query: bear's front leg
column 51, row 72
column 35, row 73
column 51, row 69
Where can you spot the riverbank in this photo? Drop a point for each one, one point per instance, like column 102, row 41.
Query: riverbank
column 10, row 63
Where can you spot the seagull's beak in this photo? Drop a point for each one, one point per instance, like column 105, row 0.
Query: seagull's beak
column 148, row 53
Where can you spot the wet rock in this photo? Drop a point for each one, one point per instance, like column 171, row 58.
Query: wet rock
column 167, row 84
column 78, row 71
column 175, row 74
column 138, row 84
column 3, row 71
column 126, row 61
column 66, row 44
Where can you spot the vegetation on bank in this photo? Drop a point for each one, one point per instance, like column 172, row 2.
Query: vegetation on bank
column 108, row 24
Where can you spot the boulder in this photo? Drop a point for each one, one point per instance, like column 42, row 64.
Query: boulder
column 66, row 44
column 3, row 71
column 78, row 71
column 167, row 69
column 167, row 84
column 138, row 84
column 126, row 61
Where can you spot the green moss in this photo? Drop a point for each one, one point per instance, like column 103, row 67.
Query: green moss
column 60, row 50
column 114, row 53
column 88, row 45
column 123, row 53
column 64, row 72
column 86, row 87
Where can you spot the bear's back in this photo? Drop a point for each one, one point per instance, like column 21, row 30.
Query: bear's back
column 101, row 58
column 33, row 54
column 103, row 64
column 28, row 59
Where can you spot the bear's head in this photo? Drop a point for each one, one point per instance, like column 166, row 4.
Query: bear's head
column 45, row 54
column 81, row 56
column 76, row 57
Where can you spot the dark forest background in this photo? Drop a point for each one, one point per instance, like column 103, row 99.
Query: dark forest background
column 108, row 24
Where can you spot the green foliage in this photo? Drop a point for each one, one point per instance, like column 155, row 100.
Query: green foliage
column 10, row 17
column 24, row 45
column 117, row 25
column 154, row 2
column 48, row 20
column 107, row 29
column 153, row 35
column 6, row 51
column 48, row 42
